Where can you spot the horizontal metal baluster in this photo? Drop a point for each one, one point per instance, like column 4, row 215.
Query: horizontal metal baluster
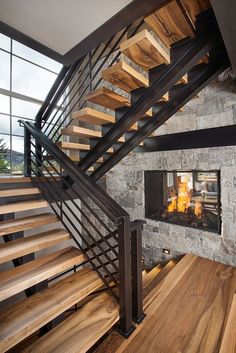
column 87, row 218
column 80, row 234
column 79, row 221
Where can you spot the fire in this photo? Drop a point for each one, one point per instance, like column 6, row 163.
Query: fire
column 181, row 200
column 198, row 209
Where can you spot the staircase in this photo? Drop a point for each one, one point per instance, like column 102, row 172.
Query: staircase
column 76, row 273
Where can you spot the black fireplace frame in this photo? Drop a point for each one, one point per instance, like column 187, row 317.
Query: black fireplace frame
column 152, row 197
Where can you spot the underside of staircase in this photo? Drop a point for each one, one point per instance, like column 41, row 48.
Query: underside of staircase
column 70, row 251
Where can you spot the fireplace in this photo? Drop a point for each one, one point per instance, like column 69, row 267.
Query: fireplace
column 190, row 199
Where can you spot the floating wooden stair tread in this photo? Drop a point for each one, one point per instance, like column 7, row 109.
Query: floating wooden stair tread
column 125, row 77
column 28, row 315
column 228, row 344
column 19, row 278
column 78, row 159
column 194, row 8
column 107, row 98
column 81, row 132
column 81, row 330
column 92, row 116
column 169, row 28
column 19, row 192
column 73, row 146
column 21, row 224
column 22, row 206
column 84, row 133
column 20, row 247
column 15, row 180
column 145, row 51
column 77, row 146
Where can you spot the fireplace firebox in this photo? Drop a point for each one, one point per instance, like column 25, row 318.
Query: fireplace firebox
column 189, row 198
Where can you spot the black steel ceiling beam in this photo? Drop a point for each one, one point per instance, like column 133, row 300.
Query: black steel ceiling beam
column 187, row 93
column 205, row 138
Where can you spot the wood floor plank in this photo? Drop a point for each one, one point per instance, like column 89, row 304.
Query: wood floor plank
column 15, row 280
column 81, row 330
column 228, row 344
column 124, row 76
column 191, row 317
column 116, row 342
column 20, row 247
column 25, row 317
column 22, row 206
column 24, row 223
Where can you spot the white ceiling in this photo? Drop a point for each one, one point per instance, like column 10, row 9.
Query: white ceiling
column 58, row 24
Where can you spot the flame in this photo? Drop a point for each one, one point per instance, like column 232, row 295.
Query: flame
column 172, row 206
column 198, row 209
column 181, row 202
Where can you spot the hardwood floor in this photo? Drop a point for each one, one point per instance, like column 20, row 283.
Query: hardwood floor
column 188, row 314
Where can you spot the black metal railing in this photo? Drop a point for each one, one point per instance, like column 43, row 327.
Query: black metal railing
column 84, row 76
column 97, row 224
column 74, row 83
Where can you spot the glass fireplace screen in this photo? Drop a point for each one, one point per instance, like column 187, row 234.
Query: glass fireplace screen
column 186, row 198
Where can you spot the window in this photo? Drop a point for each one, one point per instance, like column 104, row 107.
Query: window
column 26, row 77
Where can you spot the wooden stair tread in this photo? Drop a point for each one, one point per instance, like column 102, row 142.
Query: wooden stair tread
column 80, row 132
column 124, row 76
column 76, row 146
column 107, row 98
column 19, row 192
column 20, row 247
column 194, row 8
column 22, row 206
column 28, row 315
column 148, row 276
column 144, row 50
column 92, row 116
column 27, row 275
column 169, row 24
column 152, row 282
column 73, row 146
column 228, row 344
column 84, row 132
column 82, row 329
column 24, row 223
column 15, row 180
column 78, row 159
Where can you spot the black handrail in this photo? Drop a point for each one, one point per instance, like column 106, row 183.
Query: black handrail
column 101, row 199
column 92, row 238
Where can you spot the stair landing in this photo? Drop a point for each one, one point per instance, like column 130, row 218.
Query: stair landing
column 188, row 313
